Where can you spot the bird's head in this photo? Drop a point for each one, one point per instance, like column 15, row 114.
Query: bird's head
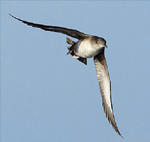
column 101, row 42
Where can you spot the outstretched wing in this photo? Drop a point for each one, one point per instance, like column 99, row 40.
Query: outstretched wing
column 105, row 88
column 69, row 32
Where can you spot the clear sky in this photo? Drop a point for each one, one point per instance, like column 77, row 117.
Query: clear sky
column 48, row 97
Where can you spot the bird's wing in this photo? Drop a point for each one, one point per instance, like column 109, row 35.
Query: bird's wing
column 105, row 88
column 69, row 32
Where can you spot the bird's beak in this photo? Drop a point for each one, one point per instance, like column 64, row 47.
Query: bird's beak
column 106, row 46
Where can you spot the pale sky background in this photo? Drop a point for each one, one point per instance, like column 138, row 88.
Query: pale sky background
column 48, row 97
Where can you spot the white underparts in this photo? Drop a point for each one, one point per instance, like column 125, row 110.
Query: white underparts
column 86, row 49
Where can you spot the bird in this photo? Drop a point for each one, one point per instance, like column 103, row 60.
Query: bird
column 87, row 46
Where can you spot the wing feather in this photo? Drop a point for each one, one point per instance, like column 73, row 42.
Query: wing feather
column 69, row 32
column 105, row 88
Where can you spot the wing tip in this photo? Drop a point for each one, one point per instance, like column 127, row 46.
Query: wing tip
column 114, row 125
column 15, row 17
column 121, row 135
column 12, row 16
column 112, row 122
column 117, row 130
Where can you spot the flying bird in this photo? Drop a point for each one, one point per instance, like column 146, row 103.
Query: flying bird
column 87, row 46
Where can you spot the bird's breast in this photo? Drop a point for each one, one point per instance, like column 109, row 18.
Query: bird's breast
column 86, row 49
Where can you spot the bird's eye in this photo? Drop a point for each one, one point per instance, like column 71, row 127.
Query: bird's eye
column 98, row 41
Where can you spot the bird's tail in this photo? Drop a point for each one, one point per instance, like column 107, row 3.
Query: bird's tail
column 71, row 52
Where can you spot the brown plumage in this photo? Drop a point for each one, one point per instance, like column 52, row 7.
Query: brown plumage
column 88, row 46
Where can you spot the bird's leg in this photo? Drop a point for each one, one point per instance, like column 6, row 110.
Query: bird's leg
column 75, row 57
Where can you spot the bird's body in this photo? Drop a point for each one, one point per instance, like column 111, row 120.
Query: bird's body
column 88, row 46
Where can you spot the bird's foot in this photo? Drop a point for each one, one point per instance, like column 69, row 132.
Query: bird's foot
column 75, row 57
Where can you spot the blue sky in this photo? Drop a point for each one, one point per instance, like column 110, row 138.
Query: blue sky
column 47, row 96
